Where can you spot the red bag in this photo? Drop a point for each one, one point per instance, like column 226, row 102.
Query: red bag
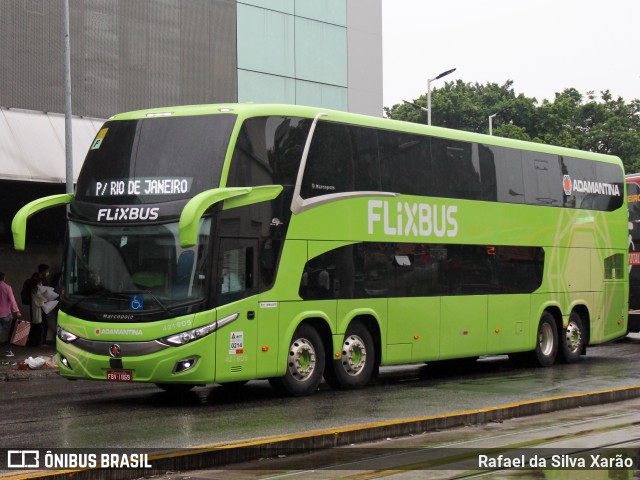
column 21, row 333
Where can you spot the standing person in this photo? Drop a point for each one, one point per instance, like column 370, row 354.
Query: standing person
column 43, row 269
column 8, row 307
column 38, row 320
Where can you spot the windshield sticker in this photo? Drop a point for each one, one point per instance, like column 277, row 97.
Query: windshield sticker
column 236, row 344
column 99, row 138
column 142, row 186
column 136, row 302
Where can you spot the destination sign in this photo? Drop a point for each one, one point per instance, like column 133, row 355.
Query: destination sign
column 142, row 186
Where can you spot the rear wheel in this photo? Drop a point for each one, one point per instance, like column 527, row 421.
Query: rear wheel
column 356, row 364
column 572, row 340
column 305, row 363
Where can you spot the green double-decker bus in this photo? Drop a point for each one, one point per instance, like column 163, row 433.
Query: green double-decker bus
column 225, row 243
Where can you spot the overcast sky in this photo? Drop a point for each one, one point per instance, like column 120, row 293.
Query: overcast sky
column 544, row 46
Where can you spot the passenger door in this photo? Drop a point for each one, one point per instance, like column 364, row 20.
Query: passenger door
column 236, row 292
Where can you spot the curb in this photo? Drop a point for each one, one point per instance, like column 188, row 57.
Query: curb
column 217, row 455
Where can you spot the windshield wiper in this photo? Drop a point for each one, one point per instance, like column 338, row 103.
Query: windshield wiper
column 97, row 294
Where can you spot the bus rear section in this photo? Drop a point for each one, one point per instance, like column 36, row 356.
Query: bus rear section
column 633, row 198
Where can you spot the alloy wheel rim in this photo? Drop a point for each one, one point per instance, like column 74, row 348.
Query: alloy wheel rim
column 354, row 355
column 302, row 359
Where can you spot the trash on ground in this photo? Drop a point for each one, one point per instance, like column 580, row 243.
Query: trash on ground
column 41, row 362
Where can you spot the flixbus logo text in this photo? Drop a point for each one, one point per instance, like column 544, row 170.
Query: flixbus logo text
column 410, row 218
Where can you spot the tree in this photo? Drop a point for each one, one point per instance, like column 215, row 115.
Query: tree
column 574, row 120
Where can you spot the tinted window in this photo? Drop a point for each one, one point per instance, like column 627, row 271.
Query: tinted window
column 509, row 182
column 345, row 158
column 155, row 159
column 330, row 165
column 405, row 163
column 542, row 179
column 611, row 196
column 411, row 270
column 342, row 158
column 367, row 161
column 236, row 270
column 463, row 170
column 268, row 151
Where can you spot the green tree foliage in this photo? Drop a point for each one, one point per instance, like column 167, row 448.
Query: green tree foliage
column 601, row 124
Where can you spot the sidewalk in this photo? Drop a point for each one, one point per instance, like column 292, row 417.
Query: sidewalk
column 10, row 370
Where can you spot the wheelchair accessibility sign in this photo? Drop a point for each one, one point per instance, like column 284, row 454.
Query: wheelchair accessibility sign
column 136, row 302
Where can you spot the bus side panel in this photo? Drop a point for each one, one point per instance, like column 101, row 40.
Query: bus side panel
column 614, row 312
column 237, row 343
column 509, row 324
column 269, row 343
column 464, row 326
column 416, row 322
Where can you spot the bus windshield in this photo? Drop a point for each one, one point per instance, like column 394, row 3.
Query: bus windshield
column 113, row 272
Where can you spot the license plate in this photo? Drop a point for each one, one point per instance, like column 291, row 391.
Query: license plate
column 119, row 375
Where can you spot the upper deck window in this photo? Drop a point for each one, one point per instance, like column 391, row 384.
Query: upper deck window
column 155, row 159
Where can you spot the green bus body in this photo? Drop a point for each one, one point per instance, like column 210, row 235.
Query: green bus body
column 240, row 242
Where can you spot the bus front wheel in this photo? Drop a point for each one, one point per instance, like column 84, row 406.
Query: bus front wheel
column 356, row 364
column 572, row 339
column 305, row 363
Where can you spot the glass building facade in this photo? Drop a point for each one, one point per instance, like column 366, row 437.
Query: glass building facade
column 297, row 49
column 131, row 55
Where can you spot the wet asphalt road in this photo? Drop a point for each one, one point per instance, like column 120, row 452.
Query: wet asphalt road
column 576, row 438
column 50, row 412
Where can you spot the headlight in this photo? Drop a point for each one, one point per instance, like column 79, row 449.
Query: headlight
column 196, row 333
column 66, row 337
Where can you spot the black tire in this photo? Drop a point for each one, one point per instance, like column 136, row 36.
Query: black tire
column 305, row 364
column 175, row 387
column 546, row 342
column 572, row 339
column 357, row 363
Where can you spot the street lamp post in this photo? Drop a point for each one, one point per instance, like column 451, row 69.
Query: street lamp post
column 443, row 74
column 491, row 123
column 415, row 105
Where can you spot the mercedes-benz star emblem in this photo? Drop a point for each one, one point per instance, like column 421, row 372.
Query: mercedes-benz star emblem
column 114, row 350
